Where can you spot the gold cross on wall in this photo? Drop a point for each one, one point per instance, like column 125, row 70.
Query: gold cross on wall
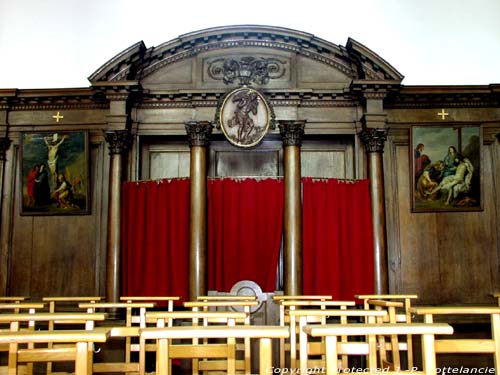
column 443, row 114
column 57, row 116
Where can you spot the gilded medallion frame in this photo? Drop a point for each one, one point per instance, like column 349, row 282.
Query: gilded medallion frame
column 244, row 117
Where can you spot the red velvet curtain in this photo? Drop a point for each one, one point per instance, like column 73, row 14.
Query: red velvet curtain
column 245, row 219
column 337, row 238
column 155, row 238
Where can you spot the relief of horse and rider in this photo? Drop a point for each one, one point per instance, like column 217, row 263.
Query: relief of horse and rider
column 248, row 119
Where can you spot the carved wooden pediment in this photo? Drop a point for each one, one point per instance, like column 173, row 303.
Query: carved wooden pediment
column 240, row 54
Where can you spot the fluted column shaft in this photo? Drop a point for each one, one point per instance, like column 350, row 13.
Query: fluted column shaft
column 374, row 140
column 292, row 133
column 198, row 134
column 119, row 142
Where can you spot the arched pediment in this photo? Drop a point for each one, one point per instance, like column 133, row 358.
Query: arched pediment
column 221, row 56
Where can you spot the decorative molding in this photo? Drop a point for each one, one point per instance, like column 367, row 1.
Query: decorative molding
column 199, row 132
column 292, row 132
column 44, row 107
column 372, row 94
column 373, row 139
column 247, row 70
column 416, row 97
column 119, row 141
column 174, row 56
column 4, row 146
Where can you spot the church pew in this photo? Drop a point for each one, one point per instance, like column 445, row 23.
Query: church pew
column 284, row 345
column 331, row 332
column 290, row 320
column 455, row 345
column 69, row 302
column 17, row 307
column 166, row 349
column 196, row 318
column 46, row 321
column 394, row 347
column 126, row 331
column 169, row 299
column 20, row 307
column 404, row 316
column 78, row 352
column 14, row 299
column 300, row 318
column 227, row 305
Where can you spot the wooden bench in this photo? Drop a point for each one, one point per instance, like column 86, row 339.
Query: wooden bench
column 14, row 299
column 399, row 312
column 78, row 352
column 291, row 321
column 19, row 307
column 68, row 303
column 229, row 305
column 333, row 348
column 127, row 331
column 196, row 318
column 226, row 298
column 454, row 345
column 169, row 299
column 284, row 346
column 31, row 322
column 167, row 350
column 300, row 318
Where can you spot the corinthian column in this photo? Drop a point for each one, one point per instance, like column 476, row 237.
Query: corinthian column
column 198, row 135
column 292, row 133
column 374, row 140
column 119, row 142
column 4, row 146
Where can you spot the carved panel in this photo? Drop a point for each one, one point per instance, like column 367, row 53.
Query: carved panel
column 255, row 69
column 246, row 70
column 164, row 160
column 328, row 159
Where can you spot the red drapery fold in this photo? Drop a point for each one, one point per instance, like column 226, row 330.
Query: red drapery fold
column 155, row 238
column 245, row 219
column 337, row 238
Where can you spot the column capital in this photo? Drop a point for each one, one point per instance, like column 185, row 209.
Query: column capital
column 373, row 139
column 292, row 132
column 199, row 132
column 4, row 146
column 119, row 141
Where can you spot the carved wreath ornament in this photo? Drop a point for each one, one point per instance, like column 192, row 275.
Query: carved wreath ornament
column 247, row 69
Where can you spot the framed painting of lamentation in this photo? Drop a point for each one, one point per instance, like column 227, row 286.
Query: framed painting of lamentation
column 54, row 173
column 446, row 168
column 244, row 117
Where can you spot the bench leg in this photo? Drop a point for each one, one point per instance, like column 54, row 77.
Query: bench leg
column 265, row 353
column 428, row 354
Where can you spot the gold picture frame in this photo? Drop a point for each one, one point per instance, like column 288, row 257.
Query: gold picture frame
column 54, row 173
column 244, row 117
column 446, row 168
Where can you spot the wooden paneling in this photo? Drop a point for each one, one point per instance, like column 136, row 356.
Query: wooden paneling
column 58, row 255
column 328, row 159
column 164, row 160
column 444, row 257
column 226, row 160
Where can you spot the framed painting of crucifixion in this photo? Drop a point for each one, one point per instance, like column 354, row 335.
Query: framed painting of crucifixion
column 54, row 173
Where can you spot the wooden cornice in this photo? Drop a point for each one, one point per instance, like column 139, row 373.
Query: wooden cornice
column 444, row 96
column 42, row 99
